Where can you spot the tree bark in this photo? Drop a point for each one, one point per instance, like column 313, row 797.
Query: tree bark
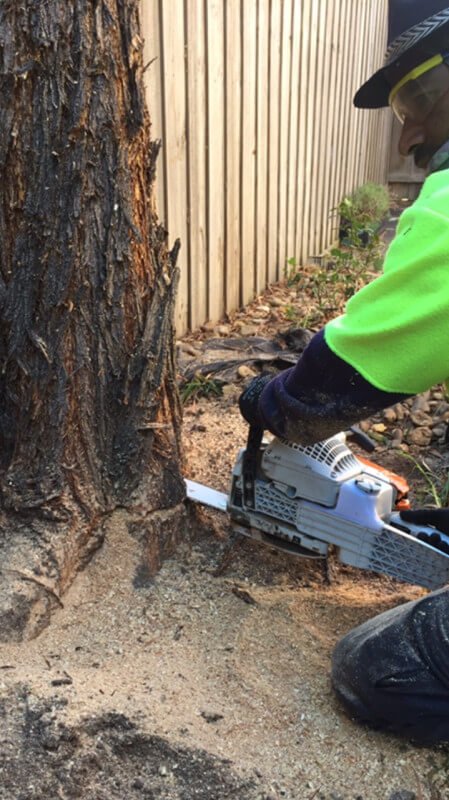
column 89, row 411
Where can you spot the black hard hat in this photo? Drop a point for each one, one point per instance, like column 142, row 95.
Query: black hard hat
column 416, row 32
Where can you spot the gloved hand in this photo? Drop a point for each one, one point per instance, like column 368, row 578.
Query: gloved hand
column 249, row 400
column 438, row 517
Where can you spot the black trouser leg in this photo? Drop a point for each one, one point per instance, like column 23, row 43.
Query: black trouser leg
column 392, row 672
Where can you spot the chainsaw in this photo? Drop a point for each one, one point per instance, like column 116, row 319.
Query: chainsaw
column 301, row 500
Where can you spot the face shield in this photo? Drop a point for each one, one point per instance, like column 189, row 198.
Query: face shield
column 414, row 97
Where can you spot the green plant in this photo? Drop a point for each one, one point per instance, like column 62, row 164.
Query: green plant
column 366, row 206
column 200, row 386
column 361, row 214
column 291, row 273
column 439, row 488
column 291, row 312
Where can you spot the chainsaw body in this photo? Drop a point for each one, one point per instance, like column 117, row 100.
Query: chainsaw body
column 303, row 499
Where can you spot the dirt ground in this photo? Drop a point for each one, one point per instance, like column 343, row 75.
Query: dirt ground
column 210, row 680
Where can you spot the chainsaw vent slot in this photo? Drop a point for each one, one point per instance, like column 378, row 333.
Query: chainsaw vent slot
column 271, row 502
column 401, row 557
column 332, row 452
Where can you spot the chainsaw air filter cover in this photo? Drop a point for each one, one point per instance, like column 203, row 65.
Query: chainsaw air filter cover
column 312, row 473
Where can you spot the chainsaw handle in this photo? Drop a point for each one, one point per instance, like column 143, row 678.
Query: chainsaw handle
column 255, row 436
column 361, row 438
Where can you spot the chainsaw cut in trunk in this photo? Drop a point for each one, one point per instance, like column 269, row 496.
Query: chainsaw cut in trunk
column 89, row 413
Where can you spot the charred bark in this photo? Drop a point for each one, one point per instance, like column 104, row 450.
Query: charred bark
column 89, row 415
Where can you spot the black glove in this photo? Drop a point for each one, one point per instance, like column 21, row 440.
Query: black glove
column 249, row 400
column 437, row 517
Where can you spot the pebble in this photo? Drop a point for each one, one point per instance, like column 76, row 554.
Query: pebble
column 438, row 431
column 403, row 794
column 390, row 415
column 276, row 302
column 441, row 408
column 223, row 330
column 379, row 427
column 420, row 419
column 420, row 436
column 399, row 411
column 397, row 440
column 420, row 403
column 246, row 372
column 246, row 330
column 189, row 349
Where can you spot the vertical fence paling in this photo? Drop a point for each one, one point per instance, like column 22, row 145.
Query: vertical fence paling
column 233, row 93
column 196, row 147
column 293, row 170
column 252, row 100
column 302, row 132
column 274, row 122
column 249, row 145
column 174, row 70
column 263, row 33
column 284, row 133
column 216, row 156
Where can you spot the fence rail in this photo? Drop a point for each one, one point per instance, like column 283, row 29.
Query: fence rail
column 252, row 100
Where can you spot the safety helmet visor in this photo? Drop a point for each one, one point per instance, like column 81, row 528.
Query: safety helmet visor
column 415, row 96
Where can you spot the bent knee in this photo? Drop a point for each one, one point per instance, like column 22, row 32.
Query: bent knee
column 392, row 690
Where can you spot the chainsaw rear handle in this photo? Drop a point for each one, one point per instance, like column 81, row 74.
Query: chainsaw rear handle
column 361, row 438
column 249, row 400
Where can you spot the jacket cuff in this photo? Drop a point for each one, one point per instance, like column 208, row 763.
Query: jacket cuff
column 320, row 396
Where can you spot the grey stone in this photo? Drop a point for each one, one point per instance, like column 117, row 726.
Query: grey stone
column 438, row 431
column 248, row 330
column 441, row 408
column 420, row 403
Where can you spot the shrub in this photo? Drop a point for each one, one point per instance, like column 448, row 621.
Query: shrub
column 367, row 205
column 362, row 213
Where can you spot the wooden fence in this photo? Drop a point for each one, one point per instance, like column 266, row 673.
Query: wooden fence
column 252, row 100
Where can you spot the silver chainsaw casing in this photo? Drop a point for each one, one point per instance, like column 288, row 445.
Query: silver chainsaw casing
column 311, row 497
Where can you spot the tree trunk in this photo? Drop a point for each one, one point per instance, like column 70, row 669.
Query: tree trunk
column 89, row 412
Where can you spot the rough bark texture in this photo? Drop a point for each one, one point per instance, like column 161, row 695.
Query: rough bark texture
column 89, row 416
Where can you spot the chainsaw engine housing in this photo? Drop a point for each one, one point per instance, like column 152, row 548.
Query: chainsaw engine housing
column 310, row 497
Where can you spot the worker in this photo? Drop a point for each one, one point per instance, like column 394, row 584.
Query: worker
column 391, row 343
